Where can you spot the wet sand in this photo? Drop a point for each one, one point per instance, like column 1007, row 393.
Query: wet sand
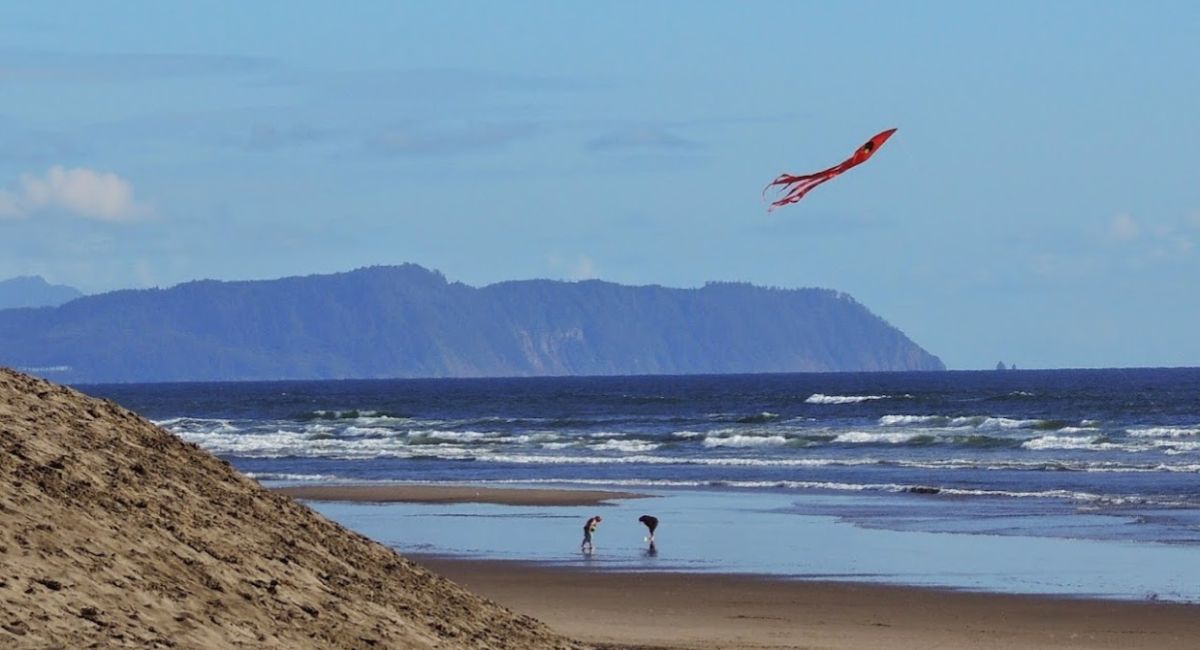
column 618, row 610
column 454, row 494
column 705, row 612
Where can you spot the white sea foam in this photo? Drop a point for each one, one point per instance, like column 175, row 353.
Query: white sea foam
column 1070, row 430
column 1176, row 446
column 276, row 476
column 1063, row 442
column 967, row 421
column 526, row 438
column 833, row 486
column 744, row 441
column 365, row 432
column 537, row 459
column 906, row 420
column 1163, row 432
column 819, row 398
column 449, row 436
column 1008, row 423
column 629, row 446
column 347, row 439
column 197, row 424
column 300, row 444
column 866, row 437
column 984, row 422
column 1043, row 494
column 607, row 434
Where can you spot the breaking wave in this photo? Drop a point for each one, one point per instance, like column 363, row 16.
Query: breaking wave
column 818, row 398
column 744, row 441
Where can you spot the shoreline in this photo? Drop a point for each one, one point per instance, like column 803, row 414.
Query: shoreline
column 730, row 534
column 660, row 610
column 509, row 496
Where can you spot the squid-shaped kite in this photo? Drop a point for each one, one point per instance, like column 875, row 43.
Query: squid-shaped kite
column 794, row 188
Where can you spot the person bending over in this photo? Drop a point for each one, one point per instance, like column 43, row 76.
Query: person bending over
column 588, row 530
column 652, row 524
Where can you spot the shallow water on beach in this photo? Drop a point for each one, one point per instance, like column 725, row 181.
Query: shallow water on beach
column 1083, row 470
column 756, row 533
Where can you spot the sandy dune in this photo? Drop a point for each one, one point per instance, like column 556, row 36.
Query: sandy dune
column 114, row 533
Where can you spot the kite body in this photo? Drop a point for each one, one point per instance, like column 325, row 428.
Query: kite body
column 794, row 188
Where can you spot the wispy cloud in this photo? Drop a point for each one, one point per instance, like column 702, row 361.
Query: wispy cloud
column 1146, row 241
column 1124, row 228
column 426, row 140
column 36, row 146
column 583, row 269
column 645, row 138
column 81, row 192
column 32, row 67
column 433, row 84
column 579, row 267
column 269, row 137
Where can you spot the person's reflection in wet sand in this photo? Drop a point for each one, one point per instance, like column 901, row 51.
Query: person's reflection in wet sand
column 652, row 550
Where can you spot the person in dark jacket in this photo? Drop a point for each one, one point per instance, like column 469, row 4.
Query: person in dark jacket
column 588, row 529
column 652, row 524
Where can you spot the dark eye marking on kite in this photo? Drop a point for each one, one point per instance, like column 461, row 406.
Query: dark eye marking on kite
column 793, row 188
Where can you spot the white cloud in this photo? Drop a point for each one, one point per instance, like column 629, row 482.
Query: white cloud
column 10, row 207
column 583, row 268
column 1124, row 228
column 83, row 192
column 1145, row 242
column 578, row 268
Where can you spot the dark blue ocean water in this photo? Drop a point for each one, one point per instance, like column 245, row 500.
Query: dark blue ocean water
column 1097, row 454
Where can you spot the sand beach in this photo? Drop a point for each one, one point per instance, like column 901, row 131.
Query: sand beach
column 116, row 533
column 707, row 612
column 689, row 611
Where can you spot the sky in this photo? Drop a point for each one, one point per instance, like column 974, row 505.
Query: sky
column 1039, row 204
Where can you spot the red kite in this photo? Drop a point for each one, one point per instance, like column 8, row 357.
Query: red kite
column 795, row 187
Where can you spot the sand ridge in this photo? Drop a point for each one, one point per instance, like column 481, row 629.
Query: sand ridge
column 115, row 533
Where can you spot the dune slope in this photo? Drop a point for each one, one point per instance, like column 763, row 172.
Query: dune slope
column 114, row 533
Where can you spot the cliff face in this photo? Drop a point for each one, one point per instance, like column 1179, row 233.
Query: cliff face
column 114, row 533
column 409, row 322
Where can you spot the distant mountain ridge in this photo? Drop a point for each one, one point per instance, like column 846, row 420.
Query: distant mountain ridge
column 34, row 291
column 407, row 321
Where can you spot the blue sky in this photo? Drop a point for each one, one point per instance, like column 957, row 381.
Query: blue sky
column 1040, row 203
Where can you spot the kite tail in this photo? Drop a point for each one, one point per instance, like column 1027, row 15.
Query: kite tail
column 796, row 187
column 784, row 180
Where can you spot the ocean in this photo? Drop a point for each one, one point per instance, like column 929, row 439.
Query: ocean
column 1077, row 482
